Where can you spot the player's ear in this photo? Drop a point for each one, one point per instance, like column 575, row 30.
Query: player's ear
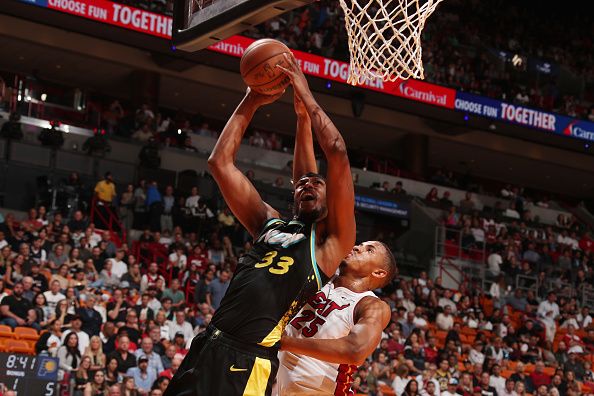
column 380, row 273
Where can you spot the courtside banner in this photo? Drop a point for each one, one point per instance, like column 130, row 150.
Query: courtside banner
column 531, row 118
column 333, row 70
column 112, row 13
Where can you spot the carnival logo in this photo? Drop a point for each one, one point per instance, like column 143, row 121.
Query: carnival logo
column 417, row 93
column 579, row 132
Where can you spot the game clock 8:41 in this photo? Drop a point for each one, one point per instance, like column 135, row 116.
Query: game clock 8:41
column 29, row 375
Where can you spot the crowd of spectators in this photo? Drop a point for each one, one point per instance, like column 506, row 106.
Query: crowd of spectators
column 461, row 51
column 119, row 315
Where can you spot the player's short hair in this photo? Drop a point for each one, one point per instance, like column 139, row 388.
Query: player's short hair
column 389, row 265
column 309, row 174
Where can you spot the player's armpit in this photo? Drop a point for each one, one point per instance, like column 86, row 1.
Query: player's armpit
column 372, row 316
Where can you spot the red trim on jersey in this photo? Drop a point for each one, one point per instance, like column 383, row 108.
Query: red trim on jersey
column 344, row 380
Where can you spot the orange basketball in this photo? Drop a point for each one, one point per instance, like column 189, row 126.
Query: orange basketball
column 258, row 66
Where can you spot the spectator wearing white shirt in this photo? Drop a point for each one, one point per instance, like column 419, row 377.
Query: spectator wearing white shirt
column 476, row 355
column 496, row 380
column 83, row 338
column 477, row 232
column 494, row 262
column 407, row 302
column 445, row 319
column 192, row 200
column 178, row 259
column 419, row 321
column 179, row 325
column 548, row 311
column 119, row 267
column 511, row 212
column 447, row 300
column 53, row 296
column 583, row 318
column 151, row 278
column 508, row 390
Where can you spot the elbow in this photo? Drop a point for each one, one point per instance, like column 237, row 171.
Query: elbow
column 337, row 148
column 214, row 162
column 357, row 355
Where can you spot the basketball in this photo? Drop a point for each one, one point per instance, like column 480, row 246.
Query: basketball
column 258, row 66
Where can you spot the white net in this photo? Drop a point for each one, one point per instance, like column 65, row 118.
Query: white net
column 385, row 38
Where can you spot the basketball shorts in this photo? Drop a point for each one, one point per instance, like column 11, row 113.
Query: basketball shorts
column 220, row 365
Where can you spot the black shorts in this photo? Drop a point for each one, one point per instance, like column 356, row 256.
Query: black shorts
column 219, row 365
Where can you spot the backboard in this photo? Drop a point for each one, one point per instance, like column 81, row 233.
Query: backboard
column 200, row 23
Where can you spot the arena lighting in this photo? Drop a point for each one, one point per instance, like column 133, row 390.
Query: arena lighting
column 587, row 146
column 179, row 131
column 517, row 60
column 328, row 85
column 173, row 48
column 43, row 97
column 19, row 97
column 466, row 117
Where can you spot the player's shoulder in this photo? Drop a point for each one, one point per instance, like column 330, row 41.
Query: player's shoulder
column 372, row 306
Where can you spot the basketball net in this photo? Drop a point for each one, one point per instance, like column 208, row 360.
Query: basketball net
column 385, row 38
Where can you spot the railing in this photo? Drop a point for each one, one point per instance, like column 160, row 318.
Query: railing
column 153, row 252
column 110, row 222
column 458, row 260
column 457, row 272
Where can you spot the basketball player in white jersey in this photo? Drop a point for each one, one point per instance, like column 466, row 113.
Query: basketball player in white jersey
column 342, row 324
column 338, row 328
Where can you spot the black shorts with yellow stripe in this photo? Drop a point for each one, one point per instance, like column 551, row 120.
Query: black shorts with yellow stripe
column 219, row 365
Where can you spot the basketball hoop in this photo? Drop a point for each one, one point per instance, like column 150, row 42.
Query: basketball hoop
column 385, row 38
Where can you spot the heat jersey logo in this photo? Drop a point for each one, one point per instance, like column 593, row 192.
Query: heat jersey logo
column 276, row 237
column 310, row 320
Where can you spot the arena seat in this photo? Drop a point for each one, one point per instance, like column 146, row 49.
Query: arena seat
column 26, row 333
column 386, row 390
column 18, row 346
column 550, row 371
column 506, row 373
column 6, row 331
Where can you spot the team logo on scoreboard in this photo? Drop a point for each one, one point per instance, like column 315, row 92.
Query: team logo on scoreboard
column 47, row 369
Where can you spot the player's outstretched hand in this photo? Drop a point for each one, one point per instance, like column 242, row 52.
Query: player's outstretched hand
column 260, row 99
column 296, row 75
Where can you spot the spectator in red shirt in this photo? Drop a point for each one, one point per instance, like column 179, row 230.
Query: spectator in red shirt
column 170, row 372
column 538, row 377
column 586, row 243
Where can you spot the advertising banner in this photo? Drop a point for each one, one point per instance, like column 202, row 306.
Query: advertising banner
column 530, row 118
column 380, row 206
column 333, row 70
column 114, row 14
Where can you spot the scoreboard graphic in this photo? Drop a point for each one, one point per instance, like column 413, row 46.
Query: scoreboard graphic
column 29, row 375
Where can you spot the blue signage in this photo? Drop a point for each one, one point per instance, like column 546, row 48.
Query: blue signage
column 525, row 116
column 396, row 209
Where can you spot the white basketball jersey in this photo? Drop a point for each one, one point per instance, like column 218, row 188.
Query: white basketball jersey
column 327, row 315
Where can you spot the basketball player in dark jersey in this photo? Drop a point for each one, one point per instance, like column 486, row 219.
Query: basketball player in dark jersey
column 289, row 261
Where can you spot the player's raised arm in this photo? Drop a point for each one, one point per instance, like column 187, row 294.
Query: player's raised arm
column 339, row 226
column 304, row 160
column 371, row 317
column 240, row 195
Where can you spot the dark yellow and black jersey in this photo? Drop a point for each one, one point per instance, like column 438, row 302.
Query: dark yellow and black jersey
column 270, row 284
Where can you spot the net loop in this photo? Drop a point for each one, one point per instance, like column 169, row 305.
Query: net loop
column 385, row 38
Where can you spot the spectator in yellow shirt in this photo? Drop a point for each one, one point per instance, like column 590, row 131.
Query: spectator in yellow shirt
column 105, row 189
